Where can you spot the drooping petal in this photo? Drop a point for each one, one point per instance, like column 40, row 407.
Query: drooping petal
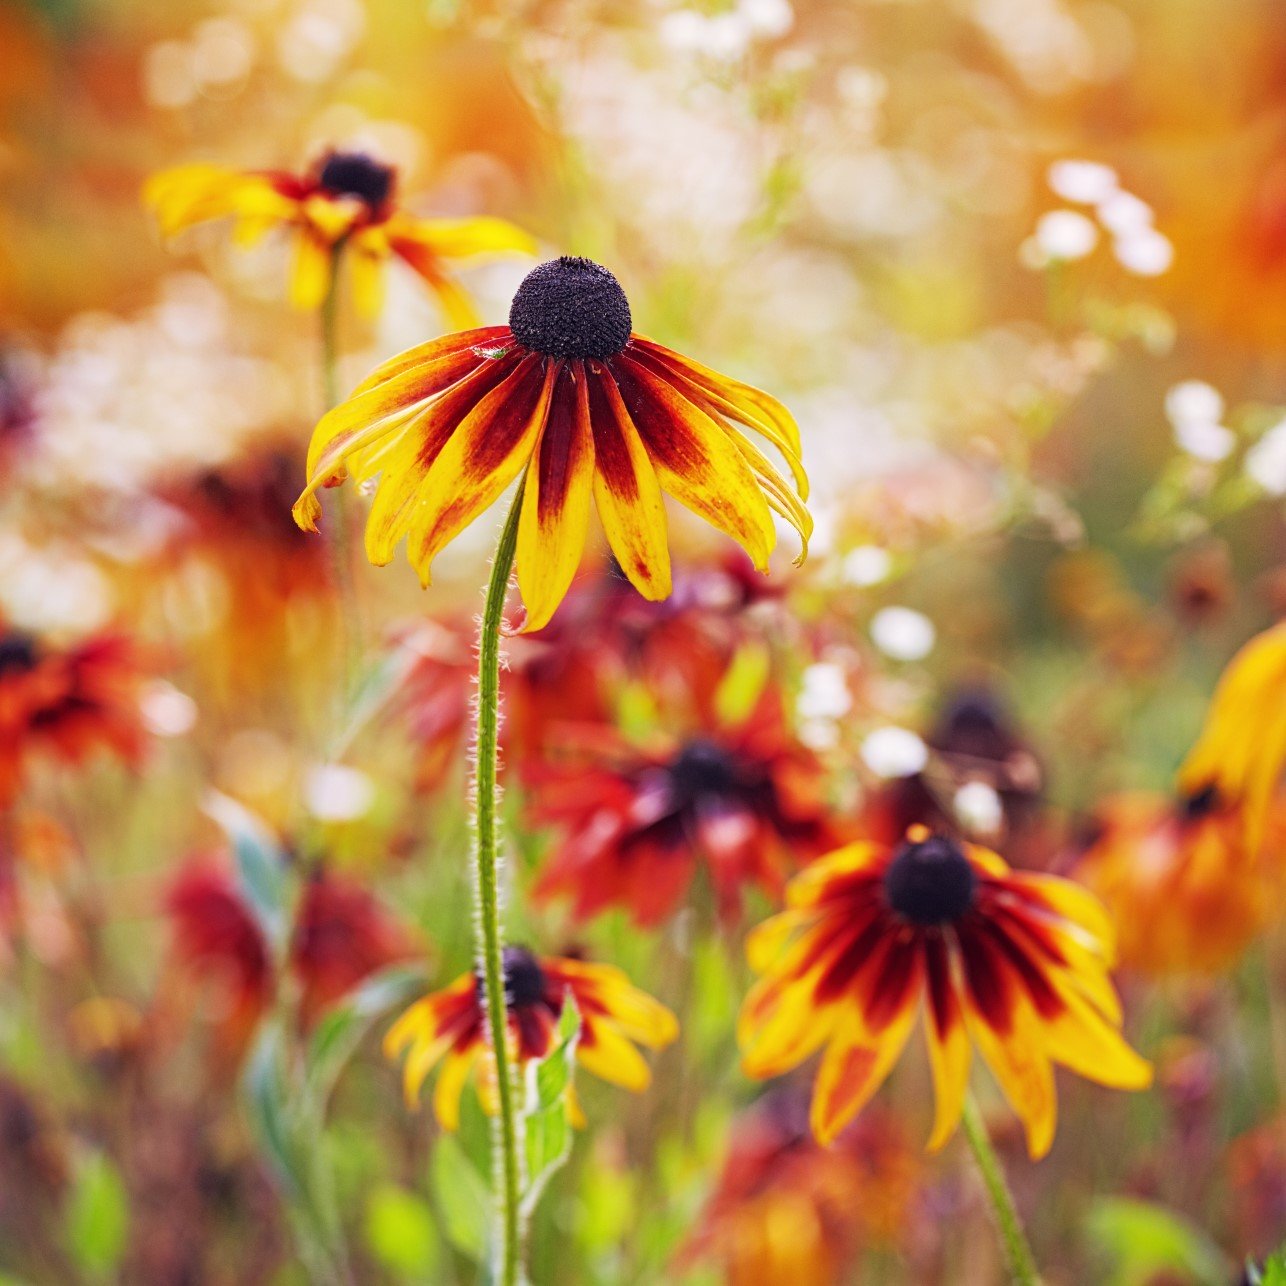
column 451, row 1081
column 606, row 1053
column 694, row 460
column 379, row 412
column 481, row 458
column 460, row 238
column 781, row 1024
column 190, row 194
column 310, row 271
column 855, row 1065
column 950, row 1052
column 483, row 341
column 606, row 988
column 555, row 507
column 626, row 492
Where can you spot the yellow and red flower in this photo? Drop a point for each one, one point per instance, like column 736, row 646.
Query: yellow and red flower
column 744, row 800
column 572, row 398
column 787, row 1210
column 449, row 1027
column 67, row 703
column 1012, row 962
column 1241, row 751
column 1175, row 875
column 346, row 198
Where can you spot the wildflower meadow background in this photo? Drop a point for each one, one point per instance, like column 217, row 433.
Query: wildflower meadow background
column 809, row 870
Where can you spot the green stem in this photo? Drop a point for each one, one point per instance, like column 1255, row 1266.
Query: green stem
column 1022, row 1264
column 508, row 1170
column 341, row 565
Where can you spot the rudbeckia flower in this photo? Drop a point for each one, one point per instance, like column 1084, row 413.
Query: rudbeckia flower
column 1242, row 747
column 1014, row 963
column 572, row 398
column 743, row 799
column 67, row 703
column 1178, row 880
column 346, row 198
column 449, row 1026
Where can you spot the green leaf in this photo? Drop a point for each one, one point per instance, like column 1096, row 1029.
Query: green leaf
column 97, row 1216
column 261, row 864
column 340, row 1032
column 742, row 684
column 1142, row 1241
column 268, row 1107
column 401, row 1233
column 1273, row 1272
column 462, row 1198
column 548, row 1126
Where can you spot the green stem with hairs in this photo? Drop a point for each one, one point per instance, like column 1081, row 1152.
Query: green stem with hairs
column 1018, row 1256
column 507, row 1162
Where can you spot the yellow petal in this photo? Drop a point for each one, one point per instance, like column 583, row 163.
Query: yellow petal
column 310, row 272
column 610, row 1057
column 555, row 508
column 1021, row 1067
column 461, row 238
column 451, row 1081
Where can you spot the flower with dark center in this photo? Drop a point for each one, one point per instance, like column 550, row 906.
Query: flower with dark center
column 743, row 800
column 65, row 703
column 356, row 174
column 1014, row 963
column 1241, row 752
column 343, row 202
column 930, row 881
column 449, row 1027
column 586, row 411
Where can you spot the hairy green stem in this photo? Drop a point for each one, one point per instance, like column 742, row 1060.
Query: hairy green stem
column 1018, row 1256
column 508, row 1167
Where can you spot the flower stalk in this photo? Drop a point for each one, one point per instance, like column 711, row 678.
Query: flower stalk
column 505, row 1126
column 1018, row 1255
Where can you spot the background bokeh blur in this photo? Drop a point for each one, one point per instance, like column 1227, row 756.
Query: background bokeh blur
column 1017, row 266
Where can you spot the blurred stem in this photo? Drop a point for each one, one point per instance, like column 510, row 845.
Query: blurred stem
column 1018, row 1256
column 505, row 1125
column 341, row 564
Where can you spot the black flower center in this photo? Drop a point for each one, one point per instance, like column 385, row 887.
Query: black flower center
column 17, row 653
column 524, row 978
column 930, row 881
column 356, row 174
column 571, row 308
column 1200, row 803
column 703, row 767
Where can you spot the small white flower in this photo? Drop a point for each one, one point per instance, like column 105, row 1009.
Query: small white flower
column 1145, row 252
column 1124, row 213
column 1194, row 401
column 1086, row 182
column 1066, row 235
column 867, row 565
column 894, row 752
column 1266, row 460
column 825, row 693
column 903, row 633
column 1205, row 441
column 337, row 793
column 978, row 807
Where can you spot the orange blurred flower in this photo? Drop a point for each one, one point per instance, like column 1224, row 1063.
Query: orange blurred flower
column 450, row 1025
column 1176, row 877
column 743, row 799
column 67, row 703
column 345, row 200
column 786, row 1209
column 1012, row 962
column 572, row 398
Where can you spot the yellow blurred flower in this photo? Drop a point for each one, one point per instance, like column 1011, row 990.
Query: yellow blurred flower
column 345, row 200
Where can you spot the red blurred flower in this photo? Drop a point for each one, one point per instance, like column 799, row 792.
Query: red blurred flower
column 744, row 800
column 67, row 703
column 341, row 936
